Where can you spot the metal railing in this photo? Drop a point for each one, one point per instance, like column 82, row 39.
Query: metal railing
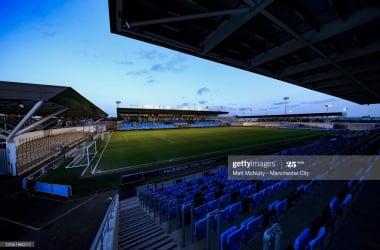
column 107, row 236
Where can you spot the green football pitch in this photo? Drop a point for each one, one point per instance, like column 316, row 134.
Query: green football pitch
column 129, row 150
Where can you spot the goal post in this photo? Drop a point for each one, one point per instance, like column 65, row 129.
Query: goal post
column 83, row 155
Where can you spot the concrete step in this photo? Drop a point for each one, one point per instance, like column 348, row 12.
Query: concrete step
column 138, row 230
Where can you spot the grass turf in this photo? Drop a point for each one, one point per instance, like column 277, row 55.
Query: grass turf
column 137, row 148
column 131, row 148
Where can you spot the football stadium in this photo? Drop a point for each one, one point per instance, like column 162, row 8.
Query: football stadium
column 184, row 177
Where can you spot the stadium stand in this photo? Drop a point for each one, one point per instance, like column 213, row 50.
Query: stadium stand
column 166, row 125
column 33, row 151
column 241, row 209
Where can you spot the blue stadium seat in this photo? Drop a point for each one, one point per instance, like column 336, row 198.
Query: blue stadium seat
column 303, row 239
column 258, row 222
column 200, row 211
column 224, row 216
column 200, row 228
column 224, row 201
column 317, row 242
column 347, row 200
column 334, row 206
column 257, row 198
column 233, row 239
column 224, row 236
column 281, row 207
column 252, row 225
column 253, row 188
column 245, row 232
column 209, row 197
column 244, row 193
column 345, row 205
column 307, row 188
column 213, row 205
column 273, row 205
column 234, row 210
column 351, row 185
column 266, row 194
column 275, row 188
column 301, row 192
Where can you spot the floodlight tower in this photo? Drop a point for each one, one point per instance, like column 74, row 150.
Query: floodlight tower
column 286, row 98
column 345, row 112
column 118, row 103
column 327, row 106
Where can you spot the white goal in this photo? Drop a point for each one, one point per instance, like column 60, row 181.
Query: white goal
column 83, row 155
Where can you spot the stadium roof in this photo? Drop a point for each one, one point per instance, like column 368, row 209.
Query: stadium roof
column 331, row 46
column 167, row 111
column 19, row 99
column 294, row 115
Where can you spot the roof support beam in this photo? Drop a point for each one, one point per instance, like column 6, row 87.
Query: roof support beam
column 24, row 120
column 347, row 55
column 37, row 123
column 337, row 73
column 230, row 26
column 327, row 30
column 237, row 11
column 310, row 44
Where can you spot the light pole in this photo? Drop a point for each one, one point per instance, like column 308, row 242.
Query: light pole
column 118, row 103
column 345, row 112
column 327, row 106
column 286, row 98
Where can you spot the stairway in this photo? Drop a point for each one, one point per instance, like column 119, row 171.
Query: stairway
column 137, row 230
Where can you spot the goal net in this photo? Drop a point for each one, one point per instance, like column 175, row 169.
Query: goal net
column 83, row 155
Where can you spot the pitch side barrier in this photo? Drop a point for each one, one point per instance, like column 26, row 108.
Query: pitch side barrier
column 149, row 175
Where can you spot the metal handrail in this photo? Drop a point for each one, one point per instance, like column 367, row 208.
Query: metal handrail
column 108, row 226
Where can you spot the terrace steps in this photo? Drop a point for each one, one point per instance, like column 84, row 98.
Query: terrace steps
column 137, row 230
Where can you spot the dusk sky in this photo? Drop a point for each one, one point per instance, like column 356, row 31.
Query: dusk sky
column 69, row 43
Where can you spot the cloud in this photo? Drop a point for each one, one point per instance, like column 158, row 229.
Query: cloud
column 202, row 102
column 202, row 90
column 157, row 67
column 152, row 81
column 185, row 104
column 151, row 54
column 138, row 73
column 175, row 64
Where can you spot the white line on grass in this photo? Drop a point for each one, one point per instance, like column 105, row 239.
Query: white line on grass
column 101, row 154
column 174, row 160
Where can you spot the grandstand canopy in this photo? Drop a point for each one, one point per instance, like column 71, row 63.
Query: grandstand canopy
column 331, row 46
column 175, row 112
column 308, row 115
column 19, row 98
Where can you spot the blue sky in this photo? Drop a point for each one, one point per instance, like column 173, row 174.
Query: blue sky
column 69, row 43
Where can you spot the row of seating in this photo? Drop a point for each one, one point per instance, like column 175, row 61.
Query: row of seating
column 33, row 151
column 234, row 236
column 165, row 125
column 332, row 144
column 233, row 211
column 313, row 237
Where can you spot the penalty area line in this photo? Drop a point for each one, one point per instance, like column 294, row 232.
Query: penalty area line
column 100, row 157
